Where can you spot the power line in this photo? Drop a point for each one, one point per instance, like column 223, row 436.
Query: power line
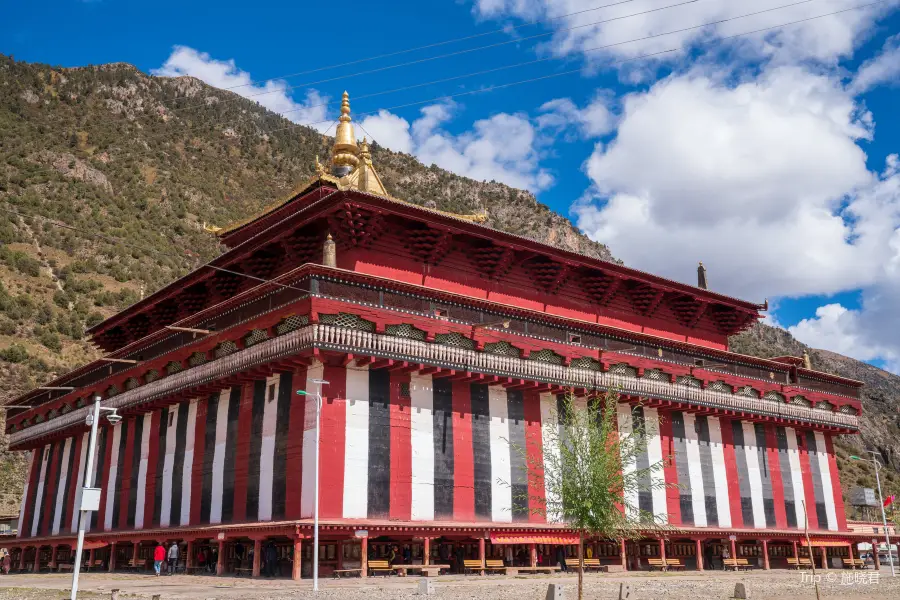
column 579, row 70
column 440, row 56
column 551, row 58
column 425, row 47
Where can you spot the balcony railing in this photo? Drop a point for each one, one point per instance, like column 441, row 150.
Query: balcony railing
column 385, row 346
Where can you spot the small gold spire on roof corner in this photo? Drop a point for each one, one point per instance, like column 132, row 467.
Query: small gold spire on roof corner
column 807, row 363
column 320, row 168
column 212, row 228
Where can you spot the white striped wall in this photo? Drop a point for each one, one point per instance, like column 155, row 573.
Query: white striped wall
column 626, row 429
column 422, row 436
column 111, row 473
column 39, row 496
column 142, row 471
column 165, row 512
column 655, row 457
column 187, row 468
column 698, row 493
column 549, row 435
column 753, row 473
column 720, row 474
column 59, row 508
column 501, row 467
column 796, row 474
column 82, row 462
column 215, row 506
column 356, row 444
column 267, row 447
column 827, row 489
column 307, row 495
column 34, row 457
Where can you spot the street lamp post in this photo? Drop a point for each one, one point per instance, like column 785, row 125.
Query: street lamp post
column 887, row 535
column 90, row 496
column 318, row 397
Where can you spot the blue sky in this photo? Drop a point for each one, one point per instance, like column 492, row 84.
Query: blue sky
column 772, row 157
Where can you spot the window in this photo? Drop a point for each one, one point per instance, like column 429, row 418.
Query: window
column 441, row 313
column 271, row 392
column 171, row 418
column 574, row 338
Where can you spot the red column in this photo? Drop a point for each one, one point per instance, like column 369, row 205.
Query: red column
column 220, row 561
column 152, row 457
column 824, row 557
column 112, row 557
column 774, row 465
column 333, row 437
column 481, row 553
column 733, row 549
column 364, row 557
column 795, row 550
column 839, row 508
column 91, row 559
column 296, row 572
column 670, row 470
column 765, row 544
column 134, row 553
column 532, row 553
column 850, row 548
column 196, row 481
column 401, row 450
column 623, row 554
column 188, row 560
column 257, row 553
column 426, row 552
column 662, row 550
column 36, row 567
column 22, row 560
column 463, row 460
column 808, row 492
column 734, row 489
column 340, row 555
column 700, row 565
column 242, row 453
column 128, row 432
column 535, row 453
column 53, row 557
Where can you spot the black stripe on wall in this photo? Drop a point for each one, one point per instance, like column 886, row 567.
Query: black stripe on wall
column 234, row 412
column 515, row 406
column 256, row 426
column 765, row 474
column 65, row 522
column 209, row 450
column 642, row 461
column 160, row 463
column 282, row 431
column 178, row 463
column 787, row 483
column 100, row 471
column 679, row 443
column 379, row 496
column 135, row 468
column 443, row 448
column 120, row 461
column 49, row 490
column 706, row 471
column 818, row 487
column 740, row 455
column 481, row 450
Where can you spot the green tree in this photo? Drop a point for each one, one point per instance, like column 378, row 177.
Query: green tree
column 590, row 475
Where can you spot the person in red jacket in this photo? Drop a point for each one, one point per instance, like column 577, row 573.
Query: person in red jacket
column 159, row 555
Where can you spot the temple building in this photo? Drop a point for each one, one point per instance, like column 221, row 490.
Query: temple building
column 443, row 342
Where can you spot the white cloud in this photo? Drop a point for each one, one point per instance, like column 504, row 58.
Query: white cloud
column 883, row 69
column 225, row 74
column 562, row 115
column 825, row 39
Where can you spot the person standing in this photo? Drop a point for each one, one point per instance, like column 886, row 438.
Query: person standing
column 173, row 557
column 271, row 556
column 561, row 558
column 159, row 555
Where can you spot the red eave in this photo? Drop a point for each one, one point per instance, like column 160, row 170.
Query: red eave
column 829, row 377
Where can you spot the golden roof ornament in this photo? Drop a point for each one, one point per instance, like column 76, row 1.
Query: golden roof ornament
column 320, row 168
column 344, row 153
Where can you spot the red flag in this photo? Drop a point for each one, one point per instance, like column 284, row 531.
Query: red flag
column 889, row 500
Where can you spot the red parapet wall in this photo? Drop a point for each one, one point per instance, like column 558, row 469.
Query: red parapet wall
column 409, row 447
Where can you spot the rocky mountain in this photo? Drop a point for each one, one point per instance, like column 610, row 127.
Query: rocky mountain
column 134, row 165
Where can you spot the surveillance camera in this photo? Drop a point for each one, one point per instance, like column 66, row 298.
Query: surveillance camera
column 114, row 418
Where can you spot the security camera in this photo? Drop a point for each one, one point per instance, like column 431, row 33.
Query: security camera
column 114, row 418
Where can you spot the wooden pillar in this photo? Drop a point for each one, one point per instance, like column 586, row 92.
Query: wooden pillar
column 257, row 556
column 662, row 549
column 623, row 554
column 22, row 560
column 824, row 557
column 426, row 552
column 297, row 572
column 850, row 548
column 364, row 556
column 532, row 553
column 53, row 557
column 765, row 554
column 699, row 551
column 220, row 560
column 733, row 550
column 91, row 559
column 796, row 555
column 875, row 555
column 481, row 553
column 36, row 566
column 112, row 557
column 136, row 550
column 340, row 555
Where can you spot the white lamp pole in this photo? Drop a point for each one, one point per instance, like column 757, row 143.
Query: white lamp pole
column 90, row 496
column 887, row 535
column 319, row 383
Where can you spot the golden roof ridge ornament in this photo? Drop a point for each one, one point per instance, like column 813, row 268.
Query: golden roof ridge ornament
column 344, row 153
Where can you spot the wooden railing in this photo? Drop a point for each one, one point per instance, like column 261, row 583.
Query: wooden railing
column 385, row 346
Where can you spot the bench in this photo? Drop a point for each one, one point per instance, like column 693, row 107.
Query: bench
column 854, row 563
column 538, row 569
column 494, row 565
column 736, row 563
column 798, row 563
column 135, row 565
column 380, row 566
column 426, row 570
column 60, row 567
column 589, row 563
column 338, row 573
column 472, row 565
column 656, row 563
column 674, row 563
column 89, row 565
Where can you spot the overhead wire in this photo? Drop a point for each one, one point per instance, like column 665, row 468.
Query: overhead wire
column 438, row 57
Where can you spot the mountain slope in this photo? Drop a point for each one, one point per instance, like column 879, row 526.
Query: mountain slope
column 147, row 161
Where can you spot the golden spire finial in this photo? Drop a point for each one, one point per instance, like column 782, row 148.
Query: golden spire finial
column 364, row 151
column 344, row 153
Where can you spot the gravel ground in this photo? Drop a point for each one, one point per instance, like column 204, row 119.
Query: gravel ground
column 775, row 585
